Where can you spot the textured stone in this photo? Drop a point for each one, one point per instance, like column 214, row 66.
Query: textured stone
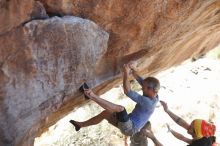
column 158, row 34
column 144, row 25
column 16, row 12
column 41, row 64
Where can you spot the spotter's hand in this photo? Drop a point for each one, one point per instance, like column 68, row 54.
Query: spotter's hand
column 165, row 106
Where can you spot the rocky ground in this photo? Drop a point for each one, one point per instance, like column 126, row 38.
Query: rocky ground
column 192, row 90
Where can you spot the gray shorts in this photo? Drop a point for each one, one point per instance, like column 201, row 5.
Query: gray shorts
column 127, row 128
column 138, row 139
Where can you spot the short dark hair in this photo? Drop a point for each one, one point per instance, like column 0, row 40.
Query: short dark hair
column 153, row 83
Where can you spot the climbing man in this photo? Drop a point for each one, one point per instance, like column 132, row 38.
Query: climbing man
column 139, row 138
column 129, row 124
column 202, row 132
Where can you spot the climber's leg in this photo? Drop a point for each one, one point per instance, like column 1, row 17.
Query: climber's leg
column 139, row 138
column 124, row 123
column 93, row 121
column 111, row 107
column 118, row 112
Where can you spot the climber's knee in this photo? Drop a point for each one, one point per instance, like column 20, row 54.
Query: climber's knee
column 106, row 114
column 119, row 108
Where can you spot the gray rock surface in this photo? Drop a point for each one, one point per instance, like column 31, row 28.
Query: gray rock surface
column 41, row 64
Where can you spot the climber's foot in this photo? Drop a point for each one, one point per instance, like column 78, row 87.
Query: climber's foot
column 77, row 127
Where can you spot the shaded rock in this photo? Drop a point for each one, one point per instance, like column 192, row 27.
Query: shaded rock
column 14, row 13
column 39, row 12
column 41, row 64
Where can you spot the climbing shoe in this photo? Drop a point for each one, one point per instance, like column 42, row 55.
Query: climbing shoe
column 77, row 127
column 83, row 88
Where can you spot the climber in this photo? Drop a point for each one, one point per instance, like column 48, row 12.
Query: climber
column 129, row 124
column 139, row 139
column 201, row 131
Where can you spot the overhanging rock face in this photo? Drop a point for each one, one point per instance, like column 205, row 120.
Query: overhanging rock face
column 44, row 61
column 158, row 34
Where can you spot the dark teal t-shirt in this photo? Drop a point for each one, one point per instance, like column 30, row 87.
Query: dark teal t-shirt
column 205, row 141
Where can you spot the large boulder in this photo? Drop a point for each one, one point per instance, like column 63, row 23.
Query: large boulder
column 42, row 63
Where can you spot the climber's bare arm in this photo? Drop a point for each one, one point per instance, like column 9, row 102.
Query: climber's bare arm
column 181, row 137
column 178, row 120
column 137, row 77
column 149, row 134
column 126, row 83
column 175, row 118
column 135, row 74
column 126, row 140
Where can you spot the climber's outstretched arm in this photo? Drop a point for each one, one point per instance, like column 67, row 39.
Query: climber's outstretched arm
column 149, row 134
column 126, row 83
column 137, row 77
column 175, row 118
column 135, row 74
column 156, row 141
column 181, row 137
